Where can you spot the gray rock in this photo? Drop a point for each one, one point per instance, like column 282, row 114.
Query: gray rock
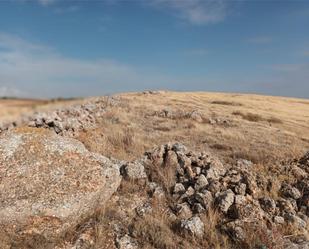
column 134, row 171
column 179, row 188
column 201, row 182
column 126, row 242
column 205, row 199
column 198, row 208
column 184, row 211
column 279, row 220
column 225, row 200
column 194, row 226
column 178, row 147
column 268, row 204
column 240, row 189
column 289, row 191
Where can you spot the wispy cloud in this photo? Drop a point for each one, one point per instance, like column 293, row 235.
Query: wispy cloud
column 288, row 67
column 6, row 91
column 42, row 71
column 196, row 12
column 305, row 53
column 260, row 40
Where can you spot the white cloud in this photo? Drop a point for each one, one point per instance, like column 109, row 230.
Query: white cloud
column 44, row 72
column 260, row 40
column 6, row 91
column 196, row 12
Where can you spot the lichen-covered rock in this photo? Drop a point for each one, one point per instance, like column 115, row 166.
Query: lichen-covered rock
column 49, row 184
column 205, row 199
column 134, row 170
column 201, row 182
column 268, row 205
column 126, row 242
column 225, row 199
column 184, row 211
column 290, row 191
column 194, row 226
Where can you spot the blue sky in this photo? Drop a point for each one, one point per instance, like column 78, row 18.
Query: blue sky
column 52, row 48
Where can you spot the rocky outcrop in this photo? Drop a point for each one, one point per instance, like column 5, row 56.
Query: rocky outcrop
column 240, row 194
column 48, row 186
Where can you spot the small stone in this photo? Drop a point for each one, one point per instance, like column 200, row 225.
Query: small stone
column 194, row 226
column 205, row 199
column 289, row 191
column 197, row 170
column 198, row 208
column 279, row 220
column 143, row 209
column 201, row 182
column 225, row 200
column 214, row 186
column 158, row 193
column 268, row 204
column 240, row 189
column 294, row 219
column 190, row 191
column 134, row 171
column 179, row 188
column 126, row 242
column 215, row 173
column 178, row 147
column 184, row 211
column 236, row 230
column 243, row 163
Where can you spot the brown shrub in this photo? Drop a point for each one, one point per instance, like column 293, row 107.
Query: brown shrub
column 274, row 120
column 155, row 231
column 223, row 102
column 249, row 116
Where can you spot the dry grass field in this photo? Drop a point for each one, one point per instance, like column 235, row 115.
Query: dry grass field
column 265, row 130
column 255, row 127
column 12, row 109
column 258, row 128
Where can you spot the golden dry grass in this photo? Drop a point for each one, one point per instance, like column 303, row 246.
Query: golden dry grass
column 280, row 132
column 12, row 109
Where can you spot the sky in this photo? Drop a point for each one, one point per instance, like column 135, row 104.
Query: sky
column 73, row 48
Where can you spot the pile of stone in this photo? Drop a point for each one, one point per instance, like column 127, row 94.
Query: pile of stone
column 195, row 115
column 242, row 196
column 68, row 120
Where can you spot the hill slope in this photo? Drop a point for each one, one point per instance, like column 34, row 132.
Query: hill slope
column 199, row 170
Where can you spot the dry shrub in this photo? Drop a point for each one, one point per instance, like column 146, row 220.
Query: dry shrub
column 164, row 174
column 162, row 128
column 212, row 237
column 261, row 237
column 155, row 231
column 256, row 156
column 223, row 102
column 220, row 146
column 252, row 117
column 274, row 120
column 103, row 232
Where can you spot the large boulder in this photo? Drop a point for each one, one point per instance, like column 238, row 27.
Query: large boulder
column 48, row 186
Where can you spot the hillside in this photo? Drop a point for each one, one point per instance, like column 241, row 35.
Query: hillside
column 179, row 170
